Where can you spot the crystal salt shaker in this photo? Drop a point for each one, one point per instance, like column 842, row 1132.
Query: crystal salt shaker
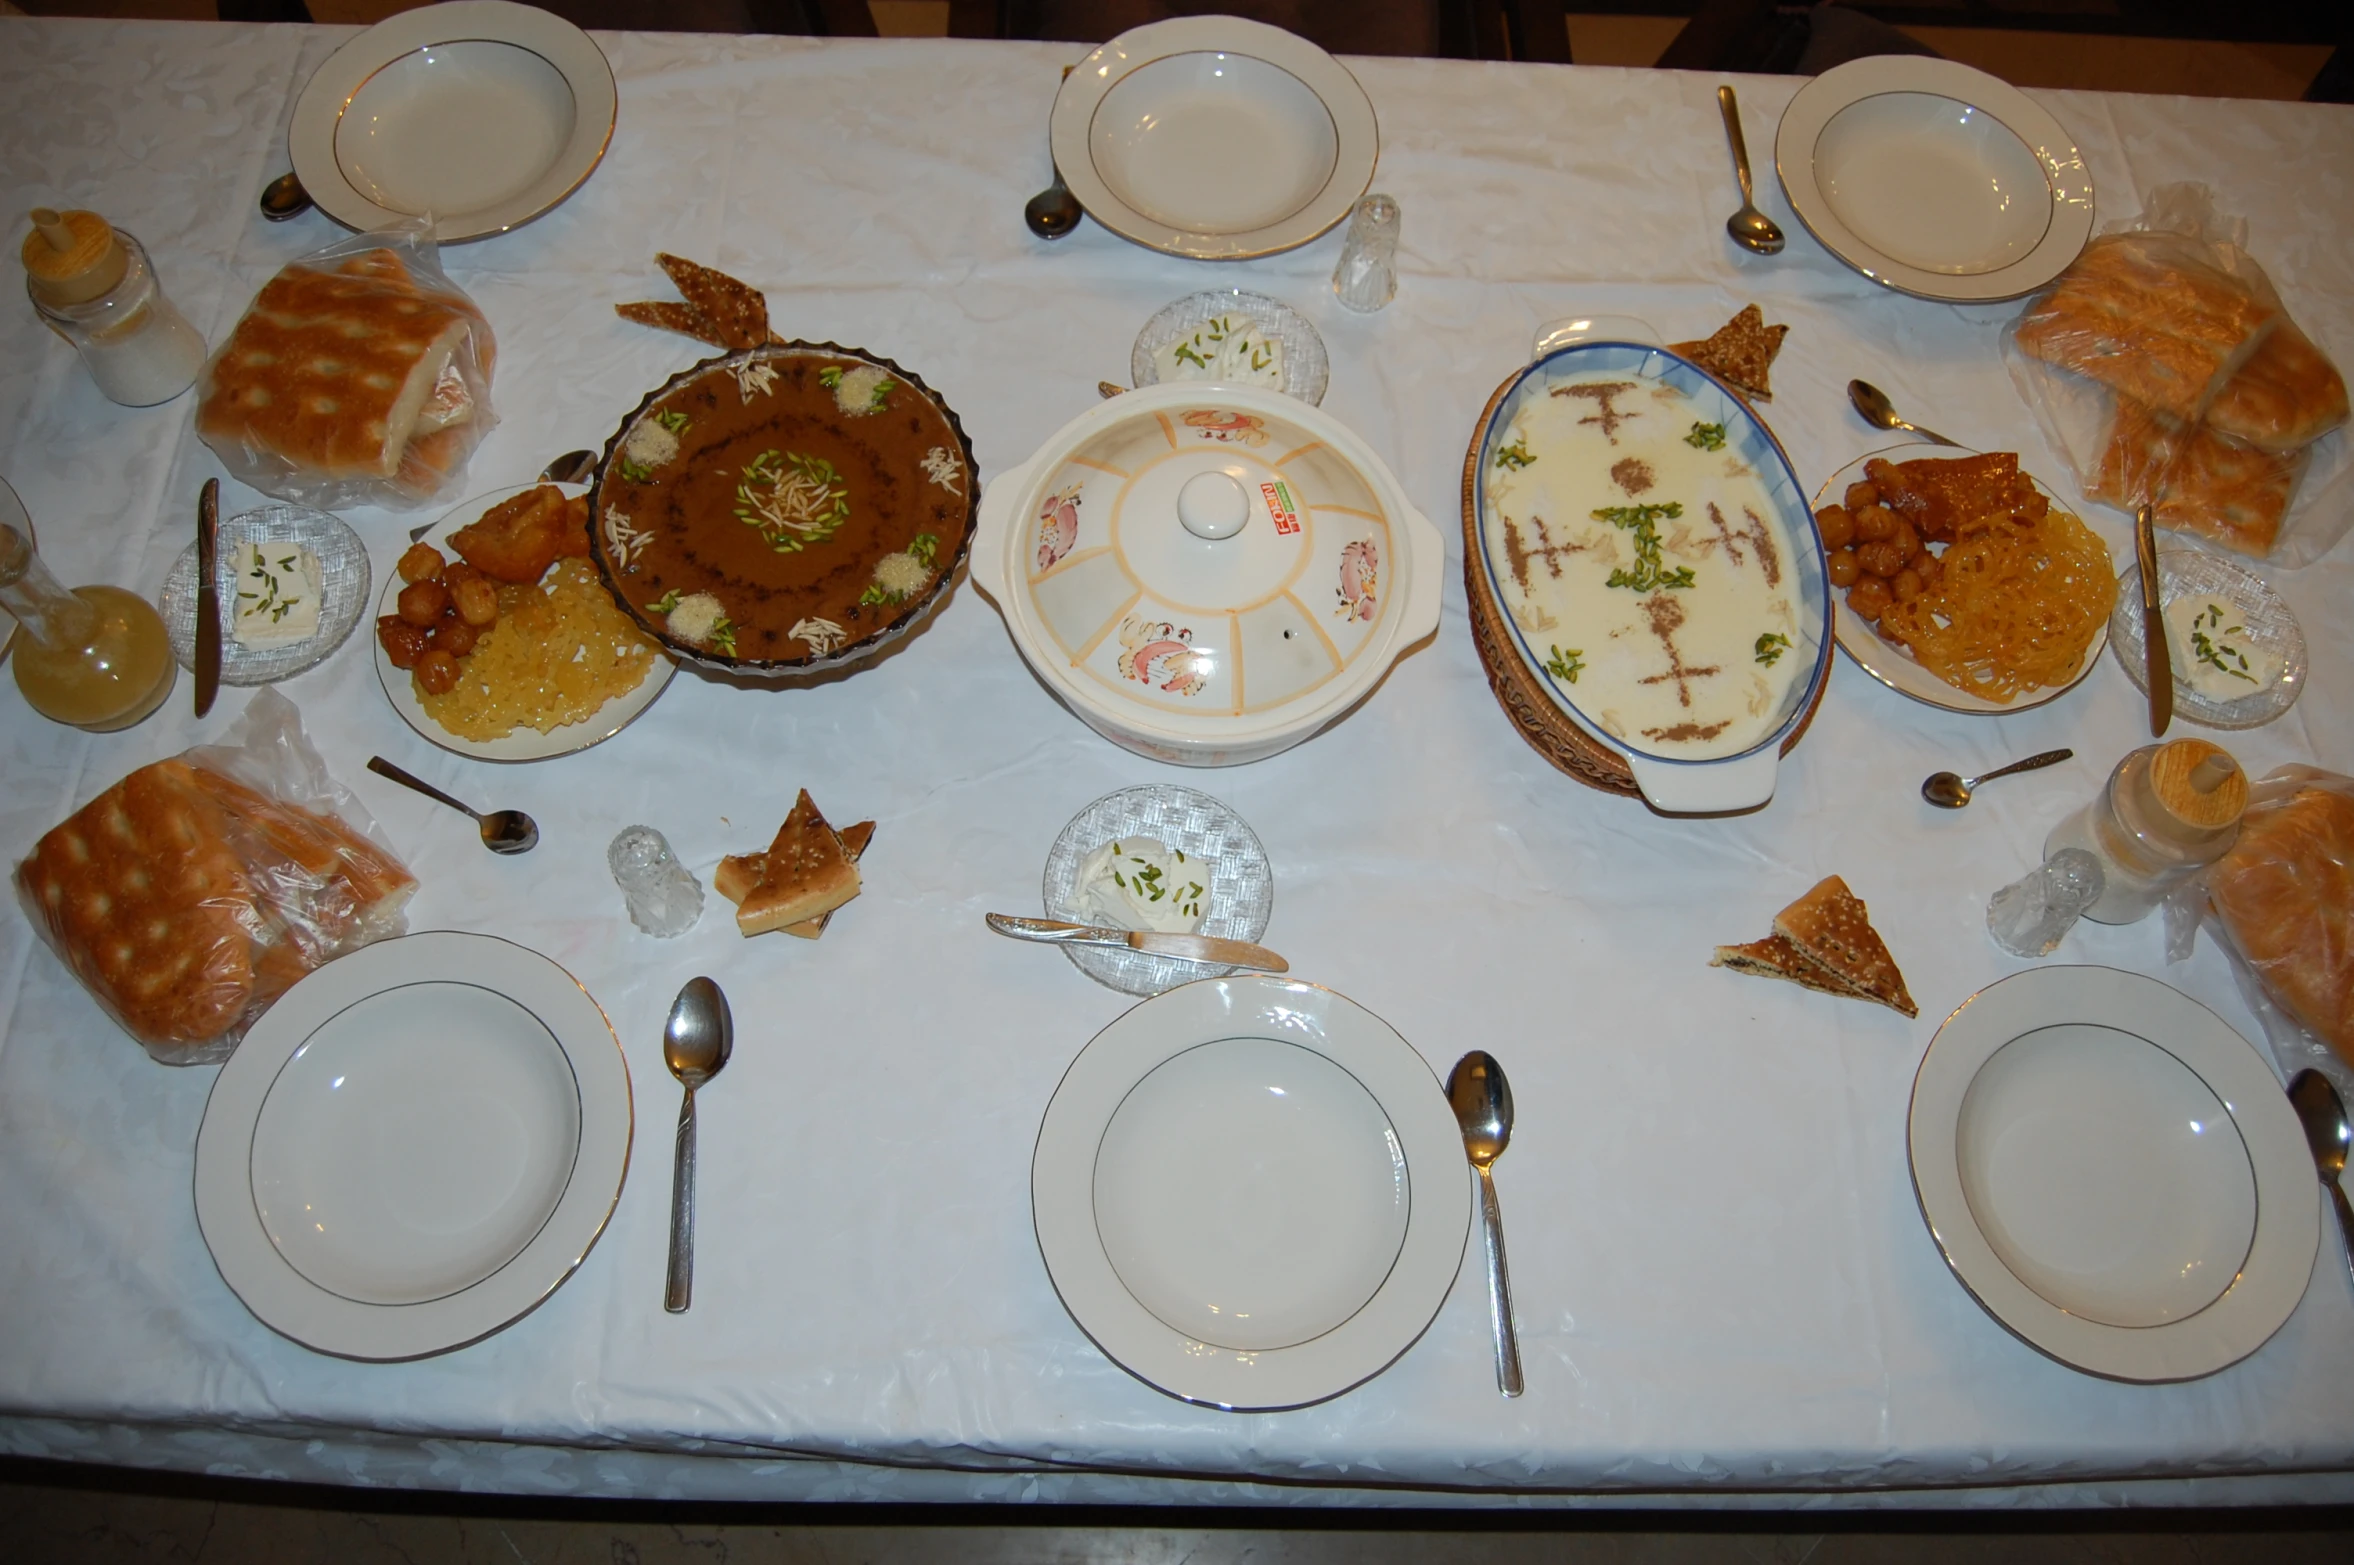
column 1367, row 277
column 2031, row 916
column 664, row 898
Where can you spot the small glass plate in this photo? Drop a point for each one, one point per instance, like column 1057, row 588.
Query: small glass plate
column 1242, row 885
column 343, row 593
column 2197, row 572
column 1305, row 369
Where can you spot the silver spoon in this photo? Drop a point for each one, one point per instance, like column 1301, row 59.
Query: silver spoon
column 284, row 197
column 1054, row 211
column 2324, row 1116
column 1949, row 791
column 1750, row 228
column 695, row 1044
column 1870, row 401
column 1482, row 1100
column 503, row 831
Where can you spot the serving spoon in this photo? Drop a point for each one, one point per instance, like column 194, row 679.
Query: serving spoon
column 1482, row 1100
column 2323, row 1115
column 1054, row 211
column 503, row 831
column 1950, row 791
column 696, row 1042
column 1750, row 228
column 1871, row 402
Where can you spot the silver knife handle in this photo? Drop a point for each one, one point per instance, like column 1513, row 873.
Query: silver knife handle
column 1499, row 1288
column 679, row 1287
column 1053, row 931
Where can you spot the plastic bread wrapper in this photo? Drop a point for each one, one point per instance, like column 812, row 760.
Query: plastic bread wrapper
column 2283, row 503
column 194, row 892
column 417, row 408
column 2317, row 955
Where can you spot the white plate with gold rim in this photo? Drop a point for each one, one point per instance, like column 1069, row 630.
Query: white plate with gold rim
column 2114, row 1173
column 1214, row 137
column 520, row 744
column 1250, row 1193
column 478, row 114
column 414, row 1146
column 1934, row 179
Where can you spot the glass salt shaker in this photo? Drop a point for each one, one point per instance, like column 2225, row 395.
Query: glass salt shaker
column 1367, row 277
column 664, row 898
column 92, row 284
column 2030, row 916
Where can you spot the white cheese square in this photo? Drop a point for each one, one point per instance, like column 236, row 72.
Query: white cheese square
column 277, row 594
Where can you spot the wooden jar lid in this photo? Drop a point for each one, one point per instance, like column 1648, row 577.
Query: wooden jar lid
column 72, row 257
column 2198, row 783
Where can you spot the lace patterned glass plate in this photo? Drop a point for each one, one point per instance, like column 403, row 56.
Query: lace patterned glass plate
column 1242, row 886
column 343, row 593
column 2196, row 572
column 1305, row 368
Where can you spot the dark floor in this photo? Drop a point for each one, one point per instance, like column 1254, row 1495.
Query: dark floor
column 68, row 1516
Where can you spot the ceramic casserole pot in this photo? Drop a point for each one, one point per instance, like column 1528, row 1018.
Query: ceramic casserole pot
column 1207, row 574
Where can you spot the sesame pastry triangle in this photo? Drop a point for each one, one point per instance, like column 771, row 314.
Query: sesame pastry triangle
column 1775, row 957
column 807, row 874
column 1740, row 353
column 738, row 310
column 1831, row 927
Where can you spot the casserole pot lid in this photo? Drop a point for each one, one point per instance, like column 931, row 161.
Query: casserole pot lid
column 1209, row 560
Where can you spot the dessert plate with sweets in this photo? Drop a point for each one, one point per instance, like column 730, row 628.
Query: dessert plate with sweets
column 1958, row 580
column 495, row 638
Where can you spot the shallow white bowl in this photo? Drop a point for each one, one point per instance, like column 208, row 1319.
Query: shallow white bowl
column 1214, row 137
column 2113, row 1173
column 1934, row 179
column 479, row 114
column 1250, row 1193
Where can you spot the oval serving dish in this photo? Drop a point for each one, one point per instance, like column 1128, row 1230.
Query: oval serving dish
column 1222, row 645
column 823, row 496
column 1537, row 682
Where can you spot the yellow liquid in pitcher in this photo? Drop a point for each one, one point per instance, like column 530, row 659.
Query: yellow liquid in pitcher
column 110, row 679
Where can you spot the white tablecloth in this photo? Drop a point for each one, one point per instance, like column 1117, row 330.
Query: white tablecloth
column 1724, row 1286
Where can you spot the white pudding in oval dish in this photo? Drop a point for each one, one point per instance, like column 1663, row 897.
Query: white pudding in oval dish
column 1647, row 560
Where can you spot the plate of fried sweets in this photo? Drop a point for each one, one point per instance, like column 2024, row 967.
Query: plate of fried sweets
column 495, row 638
column 1959, row 581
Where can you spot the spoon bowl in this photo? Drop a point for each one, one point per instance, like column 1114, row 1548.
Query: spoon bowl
column 1950, row 790
column 284, row 197
column 1054, row 211
column 696, row 1043
column 1872, row 404
column 1482, row 1101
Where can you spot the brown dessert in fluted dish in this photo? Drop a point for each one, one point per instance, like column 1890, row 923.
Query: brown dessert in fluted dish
column 784, row 507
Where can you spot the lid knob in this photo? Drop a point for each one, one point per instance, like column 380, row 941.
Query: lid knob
column 1213, row 505
column 71, row 257
column 2199, row 784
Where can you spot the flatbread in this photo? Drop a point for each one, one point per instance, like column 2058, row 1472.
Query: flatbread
column 718, row 309
column 1740, row 353
column 1831, row 927
column 740, row 874
column 808, row 874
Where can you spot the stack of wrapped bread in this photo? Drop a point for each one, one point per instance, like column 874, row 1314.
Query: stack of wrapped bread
column 361, row 379
column 187, row 901
column 2216, row 393
column 2285, row 897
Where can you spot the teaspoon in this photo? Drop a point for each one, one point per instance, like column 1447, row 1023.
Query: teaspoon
column 1054, row 211
column 1482, row 1100
column 2323, row 1115
column 1949, row 791
column 1750, row 228
column 503, row 831
column 696, row 1042
column 284, row 197
column 1870, row 401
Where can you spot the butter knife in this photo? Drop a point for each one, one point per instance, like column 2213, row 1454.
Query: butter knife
column 208, row 596
column 1206, row 949
column 2153, row 622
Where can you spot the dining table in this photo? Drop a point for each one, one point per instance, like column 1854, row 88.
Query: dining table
column 1725, row 1292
